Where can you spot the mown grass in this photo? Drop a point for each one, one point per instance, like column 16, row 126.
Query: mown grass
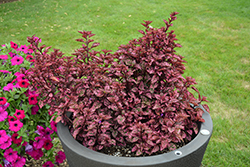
column 215, row 36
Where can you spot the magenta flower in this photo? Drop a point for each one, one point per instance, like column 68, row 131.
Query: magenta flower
column 36, row 153
column 16, row 60
column 34, row 109
column 60, row 157
column 33, row 99
column 24, row 83
column 19, row 114
column 10, row 155
column 3, row 115
column 15, row 125
column 38, row 144
column 3, row 100
column 4, row 57
column 6, row 144
column 30, row 58
column 29, row 51
column 20, row 162
column 12, row 54
column 8, row 87
column 47, row 144
column 5, row 71
column 3, row 136
column 53, row 126
column 16, row 140
column 13, row 45
column 11, row 119
column 23, row 48
column 48, row 164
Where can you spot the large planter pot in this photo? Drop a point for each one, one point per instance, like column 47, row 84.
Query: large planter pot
column 189, row 155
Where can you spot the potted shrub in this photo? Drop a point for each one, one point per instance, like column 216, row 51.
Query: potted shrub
column 133, row 102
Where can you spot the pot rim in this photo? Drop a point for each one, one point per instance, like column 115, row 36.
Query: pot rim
column 201, row 139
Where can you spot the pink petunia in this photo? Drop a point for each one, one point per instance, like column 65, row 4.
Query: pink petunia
column 47, row 144
column 34, row 109
column 20, row 162
column 48, row 164
column 12, row 54
column 4, row 107
column 60, row 157
column 16, row 140
column 3, row 100
column 23, row 48
column 24, row 83
column 5, row 71
column 38, row 144
column 6, row 144
column 4, row 57
column 13, row 45
column 17, row 60
column 8, row 87
column 3, row 115
column 29, row 51
column 53, row 126
column 3, row 136
column 19, row 114
column 10, row 155
column 33, row 99
column 11, row 119
column 36, row 153
column 30, row 58
column 15, row 125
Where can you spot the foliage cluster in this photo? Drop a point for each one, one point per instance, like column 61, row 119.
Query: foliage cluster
column 135, row 96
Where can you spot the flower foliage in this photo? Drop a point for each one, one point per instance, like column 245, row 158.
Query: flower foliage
column 24, row 127
column 135, row 96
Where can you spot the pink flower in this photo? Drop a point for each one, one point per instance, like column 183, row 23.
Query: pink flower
column 34, row 109
column 23, row 48
column 38, row 144
column 24, row 83
column 33, row 99
column 11, row 119
column 19, row 114
column 4, row 57
column 36, row 153
column 20, row 162
column 16, row 140
column 3, row 115
column 15, row 125
column 47, row 144
column 60, row 157
column 3, row 100
column 5, row 71
column 3, row 136
column 16, row 60
column 48, row 164
column 8, row 87
column 13, row 45
column 29, row 51
column 12, row 54
column 4, row 107
column 10, row 155
column 30, row 58
column 53, row 126
column 6, row 144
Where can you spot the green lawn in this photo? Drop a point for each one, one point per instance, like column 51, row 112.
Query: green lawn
column 215, row 35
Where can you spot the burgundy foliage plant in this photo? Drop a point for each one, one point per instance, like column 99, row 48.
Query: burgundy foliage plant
column 134, row 97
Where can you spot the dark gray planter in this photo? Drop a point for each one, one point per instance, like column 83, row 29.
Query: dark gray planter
column 189, row 155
